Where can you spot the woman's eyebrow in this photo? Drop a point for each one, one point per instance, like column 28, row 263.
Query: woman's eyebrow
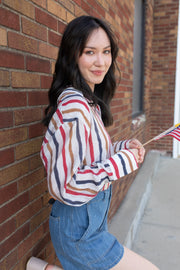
column 90, row 47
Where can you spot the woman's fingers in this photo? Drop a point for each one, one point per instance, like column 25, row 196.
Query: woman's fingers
column 136, row 144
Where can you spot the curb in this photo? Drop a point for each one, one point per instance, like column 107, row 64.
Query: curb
column 125, row 223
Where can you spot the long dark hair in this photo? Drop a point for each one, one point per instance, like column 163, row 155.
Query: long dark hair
column 67, row 72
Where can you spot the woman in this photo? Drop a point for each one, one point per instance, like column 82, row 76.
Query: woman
column 80, row 160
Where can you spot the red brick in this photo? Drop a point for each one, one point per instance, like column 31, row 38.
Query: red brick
column 22, row 263
column 35, row 162
column 53, row 63
column 3, row 37
column 10, row 208
column 28, row 148
column 30, row 241
column 37, row 64
column 78, row 2
column 12, row 99
column 54, row 39
column 31, row 179
column 8, row 192
column 61, row 27
column 46, row 82
column 14, row 240
column 41, row 216
column 12, row 136
column 79, row 11
column 38, row 190
column 27, row 116
column 86, row 7
column 125, row 75
column 68, row 5
column 41, row 3
column 94, row 13
column 6, row 157
column 40, row 246
column 111, row 12
column 4, row 78
column 28, row 212
column 36, row 130
column 45, row 19
column 9, row 19
column 116, row 102
column 38, row 98
column 56, row 9
column 46, row 228
column 33, row 29
column 11, row 60
column 22, row 43
column 49, row 247
column 9, row 261
column 45, row 199
column 25, row 80
column 99, row 9
column 21, row 6
column 48, row 51
column 7, row 228
column 14, row 171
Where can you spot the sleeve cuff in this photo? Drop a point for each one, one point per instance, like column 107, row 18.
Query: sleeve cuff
column 122, row 163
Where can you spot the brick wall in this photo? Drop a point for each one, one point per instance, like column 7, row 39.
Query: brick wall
column 30, row 33
column 163, row 70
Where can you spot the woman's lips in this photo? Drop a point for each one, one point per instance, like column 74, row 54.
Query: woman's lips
column 97, row 72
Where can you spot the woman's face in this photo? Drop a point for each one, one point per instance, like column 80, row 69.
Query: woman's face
column 96, row 58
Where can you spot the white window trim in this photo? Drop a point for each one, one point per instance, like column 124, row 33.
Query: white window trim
column 176, row 144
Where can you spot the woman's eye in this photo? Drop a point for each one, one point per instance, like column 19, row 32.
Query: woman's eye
column 89, row 52
column 107, row 51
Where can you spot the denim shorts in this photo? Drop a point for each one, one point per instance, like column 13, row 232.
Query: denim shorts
column 80, row 235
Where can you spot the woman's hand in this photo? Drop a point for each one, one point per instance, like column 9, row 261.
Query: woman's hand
column 138, row 150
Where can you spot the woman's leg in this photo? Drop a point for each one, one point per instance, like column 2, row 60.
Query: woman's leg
column 133, row 261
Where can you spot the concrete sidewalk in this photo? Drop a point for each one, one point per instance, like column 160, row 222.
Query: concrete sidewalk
column 148, row 220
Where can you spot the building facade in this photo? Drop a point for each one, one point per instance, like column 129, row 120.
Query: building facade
column 143, row 106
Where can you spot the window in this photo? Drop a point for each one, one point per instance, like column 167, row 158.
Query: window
column 138, row 58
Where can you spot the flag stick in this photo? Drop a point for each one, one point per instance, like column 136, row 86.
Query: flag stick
column 148, row 142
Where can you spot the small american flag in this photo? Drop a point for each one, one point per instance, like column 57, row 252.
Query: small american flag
column 173, row 131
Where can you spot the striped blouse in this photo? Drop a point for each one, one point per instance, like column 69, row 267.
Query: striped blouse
column 77, row 152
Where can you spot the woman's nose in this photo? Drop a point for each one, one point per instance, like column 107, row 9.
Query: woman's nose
column 99, row 60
